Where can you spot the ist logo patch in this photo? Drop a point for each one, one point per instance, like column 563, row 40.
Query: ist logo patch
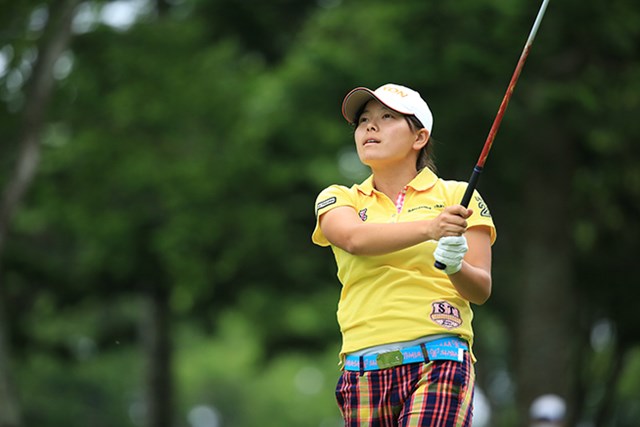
column 444, row 314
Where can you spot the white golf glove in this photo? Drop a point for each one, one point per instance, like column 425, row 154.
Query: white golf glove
column 450, row 252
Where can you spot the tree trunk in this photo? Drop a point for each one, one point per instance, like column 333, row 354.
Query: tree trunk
column 547, row 314
column 581, row 357
column 53, row 43
column 157, row 354
column 9, row 403
column 606, row 408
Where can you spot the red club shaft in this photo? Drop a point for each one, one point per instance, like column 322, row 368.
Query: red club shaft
column 477, row 170
column 475, row 176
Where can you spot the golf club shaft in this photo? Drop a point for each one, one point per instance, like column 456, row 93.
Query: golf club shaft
column 477, row 170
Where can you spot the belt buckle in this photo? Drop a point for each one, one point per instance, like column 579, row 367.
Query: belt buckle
column 390, row 359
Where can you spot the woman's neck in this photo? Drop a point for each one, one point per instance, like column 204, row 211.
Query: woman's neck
column 391, row 182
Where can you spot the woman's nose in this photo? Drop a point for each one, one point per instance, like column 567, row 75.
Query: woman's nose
column 371, row 126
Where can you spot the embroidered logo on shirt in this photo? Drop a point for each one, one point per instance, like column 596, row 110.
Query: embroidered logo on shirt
column 484, row 209
column 325, row 203
column 444, row 314
column 363, row 214
column 420, row 207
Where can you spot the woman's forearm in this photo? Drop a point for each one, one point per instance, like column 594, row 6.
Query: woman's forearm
column 344, row 229
column 473, row 283
column 381, row 238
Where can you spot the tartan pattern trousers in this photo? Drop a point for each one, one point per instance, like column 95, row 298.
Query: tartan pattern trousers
column 434, row 394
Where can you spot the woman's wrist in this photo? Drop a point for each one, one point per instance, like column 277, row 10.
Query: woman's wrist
column 429, row 232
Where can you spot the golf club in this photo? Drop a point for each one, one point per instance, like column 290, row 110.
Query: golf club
column 477, row 170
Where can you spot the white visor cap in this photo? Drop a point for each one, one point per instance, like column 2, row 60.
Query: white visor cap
column 396, row 97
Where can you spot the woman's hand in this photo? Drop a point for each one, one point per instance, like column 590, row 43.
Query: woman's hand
column 452, row 221
column 450, row 252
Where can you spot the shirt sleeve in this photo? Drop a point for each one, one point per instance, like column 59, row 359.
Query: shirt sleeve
column 481, row 215
column 328, row 199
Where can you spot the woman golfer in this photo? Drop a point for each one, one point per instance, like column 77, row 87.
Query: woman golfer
column 406, row 326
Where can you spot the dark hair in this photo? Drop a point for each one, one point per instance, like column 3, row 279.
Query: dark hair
column 425, row 156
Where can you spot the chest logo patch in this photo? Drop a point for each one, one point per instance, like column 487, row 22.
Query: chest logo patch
column 444, row 314
column 363, row 214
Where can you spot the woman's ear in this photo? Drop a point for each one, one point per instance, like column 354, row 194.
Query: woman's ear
column 422, row 138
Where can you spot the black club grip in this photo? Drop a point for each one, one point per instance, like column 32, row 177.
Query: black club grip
column 473, row 182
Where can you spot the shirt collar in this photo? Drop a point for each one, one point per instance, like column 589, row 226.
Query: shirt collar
column 423, row 181
column 366, row 187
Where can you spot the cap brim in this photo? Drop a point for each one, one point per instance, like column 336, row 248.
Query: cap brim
column 359, row 96
column 354, row 101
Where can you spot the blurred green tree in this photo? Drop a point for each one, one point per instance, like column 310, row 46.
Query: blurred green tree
column 166, row 239
column 37, row 77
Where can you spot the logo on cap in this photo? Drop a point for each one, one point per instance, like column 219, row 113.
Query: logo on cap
column 395, row 90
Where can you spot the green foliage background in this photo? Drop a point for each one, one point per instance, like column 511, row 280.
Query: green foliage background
column 185, row 153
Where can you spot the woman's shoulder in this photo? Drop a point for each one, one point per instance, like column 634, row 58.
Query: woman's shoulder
column 451, row 183
column 336, row 189
column 364, row 187
column 451, row 186
column 454, row 190
column 334, row 195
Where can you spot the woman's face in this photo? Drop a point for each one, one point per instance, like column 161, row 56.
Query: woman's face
column 384, row 137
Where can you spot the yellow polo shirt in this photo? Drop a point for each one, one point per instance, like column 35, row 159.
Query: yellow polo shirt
column 399, row 296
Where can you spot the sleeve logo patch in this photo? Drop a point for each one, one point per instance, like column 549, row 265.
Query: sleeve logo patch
column 484, row 210
column 323, row 204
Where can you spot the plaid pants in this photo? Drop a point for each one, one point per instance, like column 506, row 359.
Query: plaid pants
column 434, row 394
